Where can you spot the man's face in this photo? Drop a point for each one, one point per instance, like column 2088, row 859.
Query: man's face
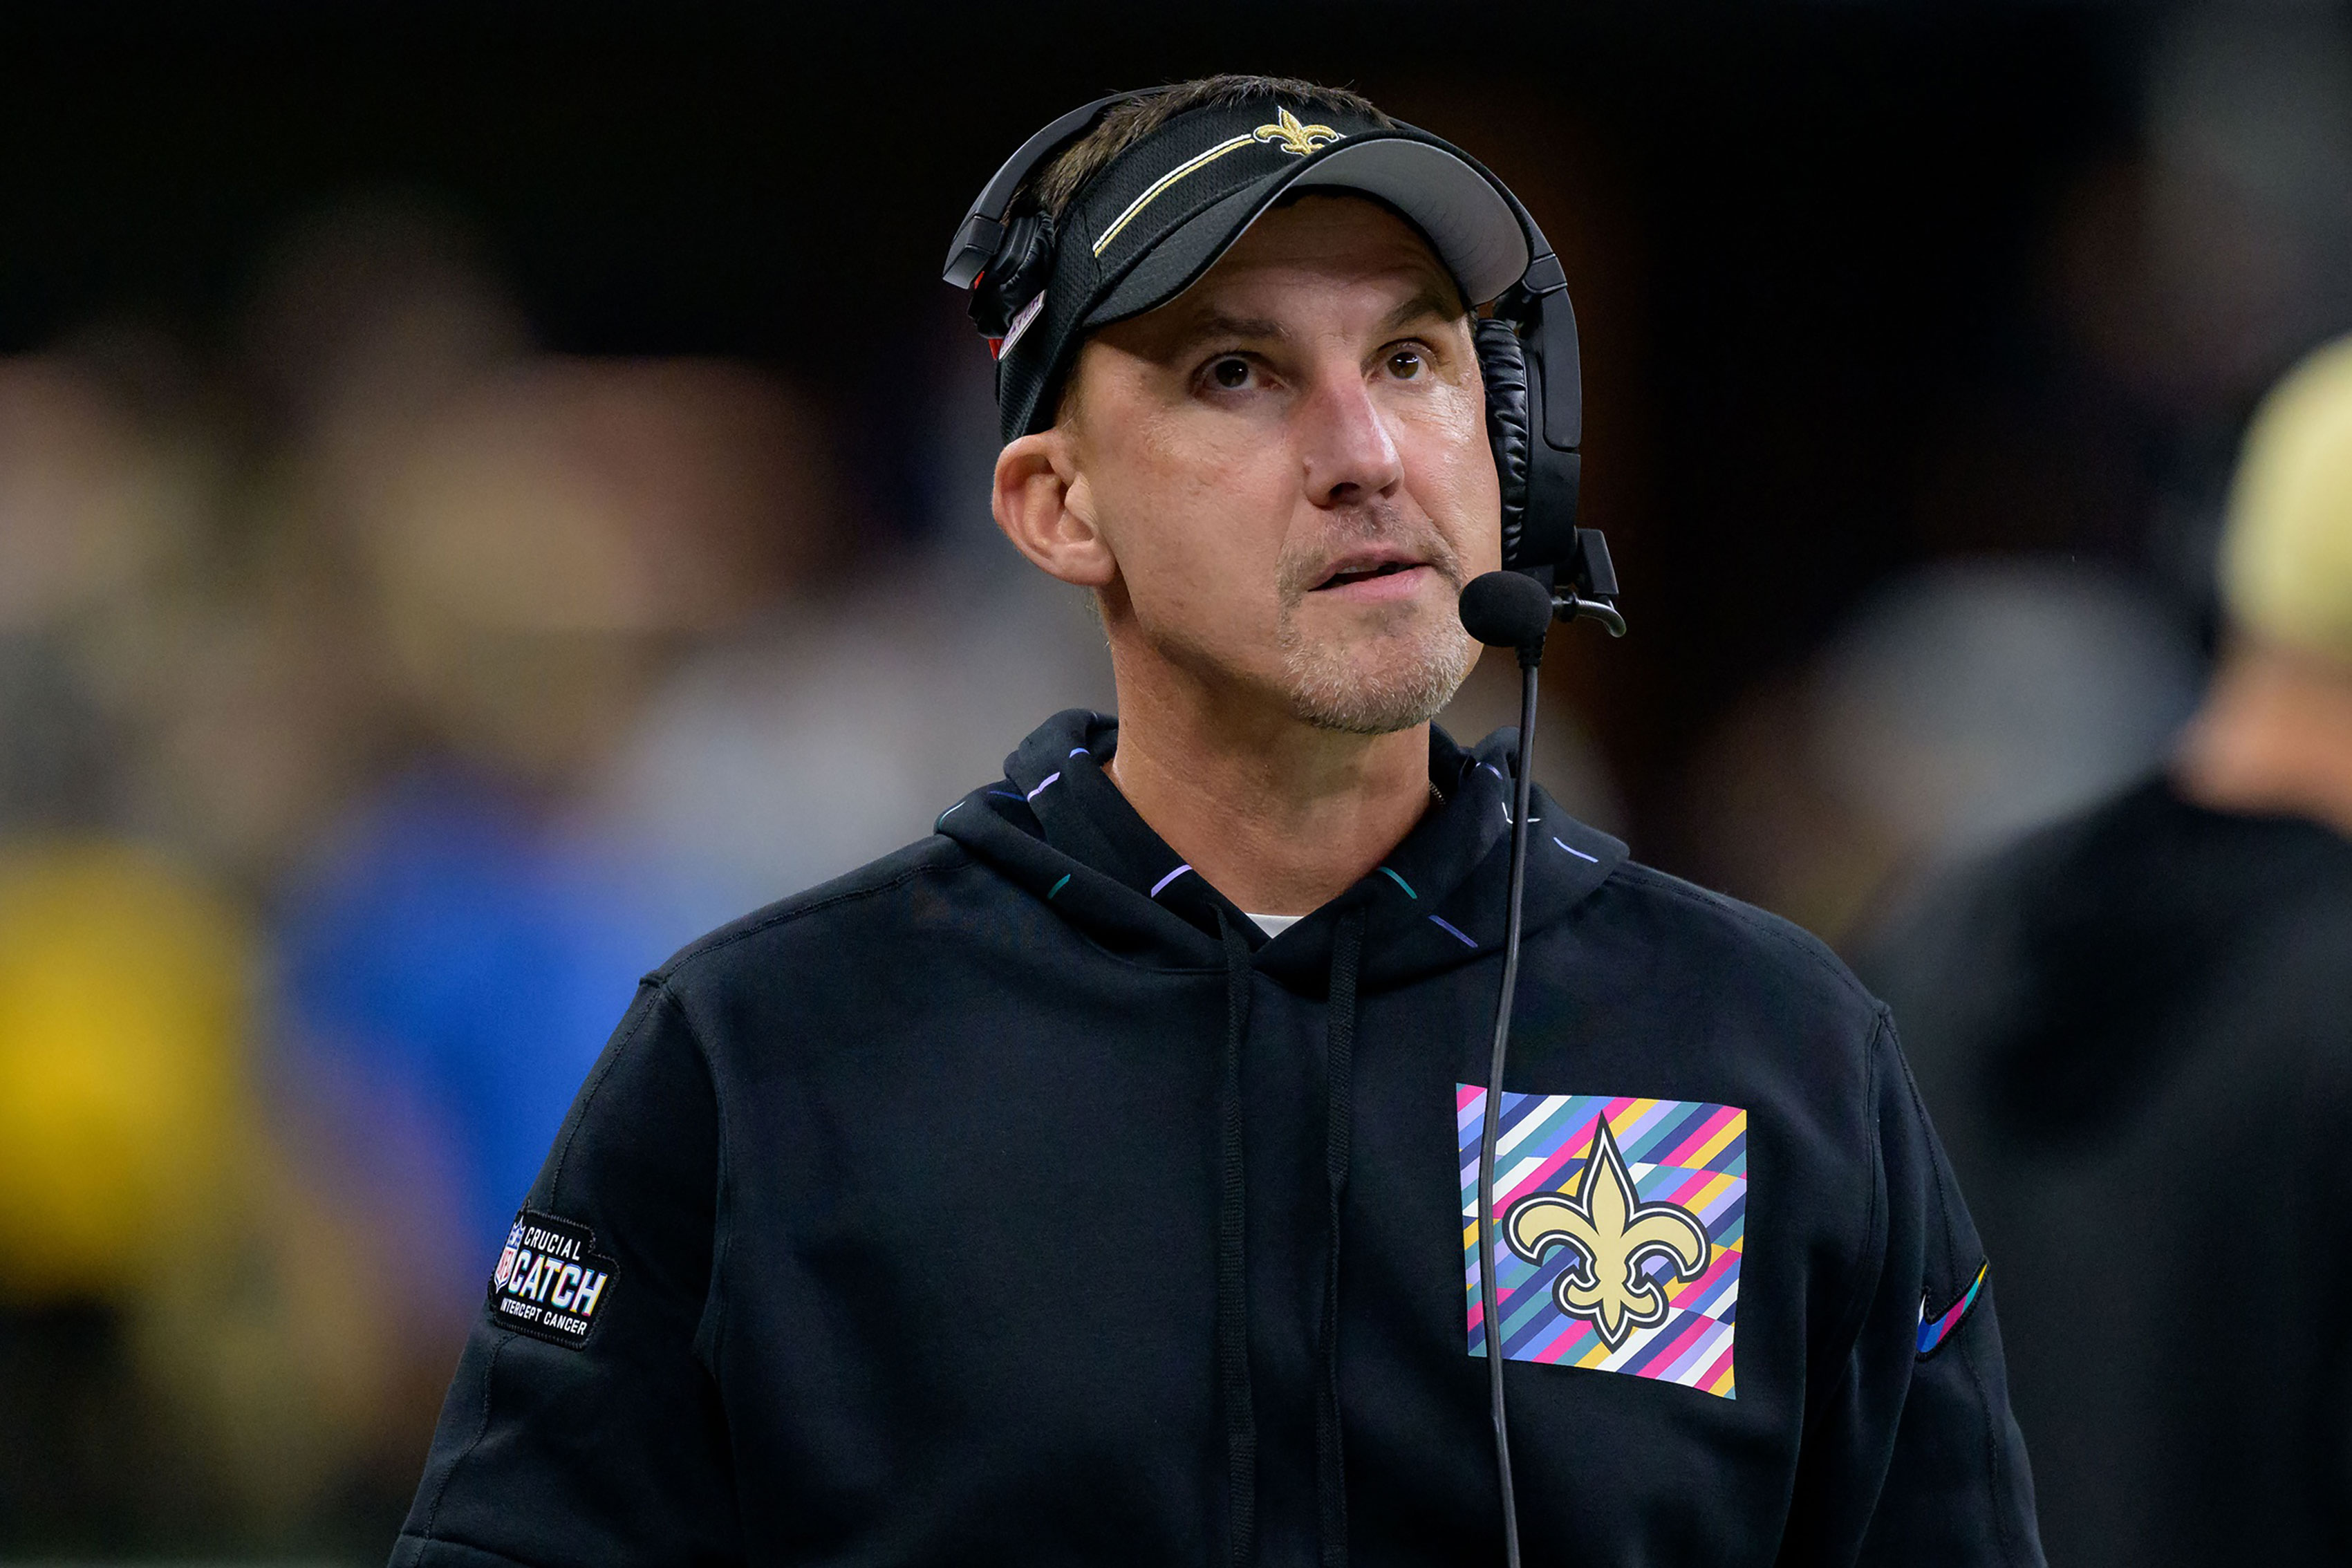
column 1289, row 464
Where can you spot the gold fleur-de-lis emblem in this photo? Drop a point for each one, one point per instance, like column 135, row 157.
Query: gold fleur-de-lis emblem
column 1614, row 1234
column 1295, row 137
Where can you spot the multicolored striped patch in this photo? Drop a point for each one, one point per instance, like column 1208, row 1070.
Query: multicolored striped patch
column 1936, row 1328
column 1619, row 1228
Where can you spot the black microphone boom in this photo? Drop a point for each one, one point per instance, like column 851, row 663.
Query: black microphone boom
column 1514, row 610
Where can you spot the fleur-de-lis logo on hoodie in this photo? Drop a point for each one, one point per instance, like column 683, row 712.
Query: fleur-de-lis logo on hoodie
column 1614, row 1234
column 1295, row 137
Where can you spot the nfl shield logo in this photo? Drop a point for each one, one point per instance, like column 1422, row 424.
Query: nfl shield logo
column 507, row 1259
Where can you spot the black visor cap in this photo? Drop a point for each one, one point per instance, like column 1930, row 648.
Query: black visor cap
column 1148, row 226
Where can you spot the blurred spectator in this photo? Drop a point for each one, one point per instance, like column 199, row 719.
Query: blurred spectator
column 124, row 1113
column 228, row 1334
column 367, row 317
column 190, row 1348
column 839, row 723
column 540, row 548
column 2135, row 1031
column 98, row 519
column 1959, row 706
column 841, row 726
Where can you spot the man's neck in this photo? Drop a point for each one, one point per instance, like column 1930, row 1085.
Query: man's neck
column 1276, row 814
column 2272, row 737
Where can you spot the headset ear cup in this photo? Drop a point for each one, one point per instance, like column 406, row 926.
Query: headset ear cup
column 1504, row 365
column 1014, row 273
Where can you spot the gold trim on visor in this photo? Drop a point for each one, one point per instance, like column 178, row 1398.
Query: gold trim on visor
column 1163, row 182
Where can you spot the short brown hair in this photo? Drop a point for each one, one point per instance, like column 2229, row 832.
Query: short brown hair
column 1129, row 122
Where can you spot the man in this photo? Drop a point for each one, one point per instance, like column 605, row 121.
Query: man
column 2137, row 1027
column 1027, row 1197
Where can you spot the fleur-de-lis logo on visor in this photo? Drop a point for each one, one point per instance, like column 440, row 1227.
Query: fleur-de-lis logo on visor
column 1614, row 1234
column 1295, row 137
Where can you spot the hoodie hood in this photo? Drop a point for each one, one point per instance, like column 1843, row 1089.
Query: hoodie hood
column 1057, row 826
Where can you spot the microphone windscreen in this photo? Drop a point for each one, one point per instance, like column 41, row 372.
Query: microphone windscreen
column 1505, row 609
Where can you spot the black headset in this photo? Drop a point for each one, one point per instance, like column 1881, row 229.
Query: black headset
column 1527, row 353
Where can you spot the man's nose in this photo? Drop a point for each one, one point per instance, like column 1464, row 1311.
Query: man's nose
column 1345, row 443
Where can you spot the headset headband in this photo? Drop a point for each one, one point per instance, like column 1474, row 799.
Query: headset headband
column 983, row 225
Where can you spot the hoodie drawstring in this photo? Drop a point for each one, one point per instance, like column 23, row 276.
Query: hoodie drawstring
column 1338, row 1118
column 1232, row 1302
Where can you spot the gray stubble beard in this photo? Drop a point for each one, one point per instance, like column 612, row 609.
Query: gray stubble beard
column 1328, row 691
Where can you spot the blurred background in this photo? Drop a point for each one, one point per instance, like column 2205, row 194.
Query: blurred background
column 469, row 481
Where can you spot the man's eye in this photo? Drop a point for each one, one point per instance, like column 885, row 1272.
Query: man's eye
column 1232, row 373
column 1405, row 364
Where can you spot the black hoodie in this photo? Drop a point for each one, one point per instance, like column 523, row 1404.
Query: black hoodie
column 1014, row 1199
column 2136, row 1027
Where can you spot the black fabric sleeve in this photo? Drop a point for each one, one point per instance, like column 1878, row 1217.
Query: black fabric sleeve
column 1912, row 1459
column 614, row 1450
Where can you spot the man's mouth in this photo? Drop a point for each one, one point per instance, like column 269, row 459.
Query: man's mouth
column 1353, row 569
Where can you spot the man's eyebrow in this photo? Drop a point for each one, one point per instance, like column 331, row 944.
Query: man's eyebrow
column 1218, row 324
column 1432, row 298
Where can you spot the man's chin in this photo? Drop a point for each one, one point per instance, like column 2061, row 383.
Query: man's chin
column 1378, row 686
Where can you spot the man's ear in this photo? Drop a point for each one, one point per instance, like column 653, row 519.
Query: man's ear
column 1043, row 505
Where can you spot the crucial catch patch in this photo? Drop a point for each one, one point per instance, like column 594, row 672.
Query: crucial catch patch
column 552, row 1284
